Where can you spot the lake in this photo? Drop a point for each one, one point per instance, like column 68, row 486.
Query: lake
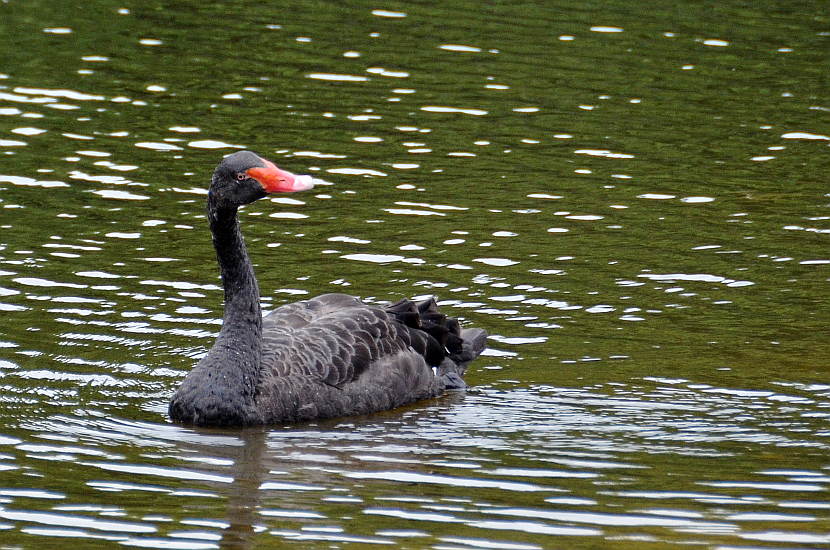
column 632, row 199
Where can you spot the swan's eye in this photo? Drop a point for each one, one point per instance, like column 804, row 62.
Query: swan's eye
column 241, row 176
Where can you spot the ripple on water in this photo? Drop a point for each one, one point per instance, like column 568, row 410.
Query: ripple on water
column 75, row 521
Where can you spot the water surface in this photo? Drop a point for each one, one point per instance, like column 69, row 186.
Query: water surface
column 632, row 201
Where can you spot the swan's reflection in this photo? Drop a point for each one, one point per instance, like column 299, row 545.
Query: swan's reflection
column 244, row 495
column 283, row 463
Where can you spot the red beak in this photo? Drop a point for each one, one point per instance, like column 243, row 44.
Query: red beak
column 274, row 180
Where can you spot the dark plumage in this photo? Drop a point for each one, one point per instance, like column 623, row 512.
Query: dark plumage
column 326, row 357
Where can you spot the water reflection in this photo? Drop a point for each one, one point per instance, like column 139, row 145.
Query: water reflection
column 317, row 482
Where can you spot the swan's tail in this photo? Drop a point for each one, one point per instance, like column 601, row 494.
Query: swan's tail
column 440, row 339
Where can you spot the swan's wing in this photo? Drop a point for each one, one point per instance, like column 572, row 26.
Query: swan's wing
column 332, row 338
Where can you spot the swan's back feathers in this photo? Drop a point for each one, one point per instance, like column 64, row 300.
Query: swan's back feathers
column 333, row 355
column 333, row 338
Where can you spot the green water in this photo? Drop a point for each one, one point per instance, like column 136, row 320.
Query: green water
column 631, row 199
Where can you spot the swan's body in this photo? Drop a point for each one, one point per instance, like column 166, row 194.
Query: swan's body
column 326, row 357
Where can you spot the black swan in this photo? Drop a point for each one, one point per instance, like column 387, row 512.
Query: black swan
column 325, row 357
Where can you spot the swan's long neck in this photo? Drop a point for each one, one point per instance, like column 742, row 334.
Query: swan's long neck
column 238, row 349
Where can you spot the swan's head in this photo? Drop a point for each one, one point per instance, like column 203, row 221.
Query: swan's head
column 244, row 177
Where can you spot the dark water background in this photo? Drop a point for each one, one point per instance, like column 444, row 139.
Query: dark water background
column 633, row 199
